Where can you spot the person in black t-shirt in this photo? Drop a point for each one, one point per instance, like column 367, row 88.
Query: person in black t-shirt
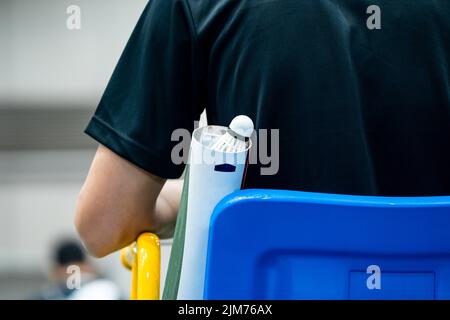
column 359, row 110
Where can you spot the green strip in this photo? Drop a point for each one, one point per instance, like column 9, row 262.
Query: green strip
column 176, row 255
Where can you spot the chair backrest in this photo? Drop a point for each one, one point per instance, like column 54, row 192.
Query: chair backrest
column 269, row 244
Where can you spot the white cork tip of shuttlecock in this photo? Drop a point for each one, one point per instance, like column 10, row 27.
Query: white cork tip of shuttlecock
column 242, row 125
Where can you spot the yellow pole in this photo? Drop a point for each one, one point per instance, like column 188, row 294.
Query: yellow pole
column 144, row 260
column 148, row 267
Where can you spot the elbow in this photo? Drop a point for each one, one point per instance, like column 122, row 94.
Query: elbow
column 90, row 239
column 92, row 229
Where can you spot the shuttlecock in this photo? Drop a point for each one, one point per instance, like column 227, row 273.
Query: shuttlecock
column 237, row 136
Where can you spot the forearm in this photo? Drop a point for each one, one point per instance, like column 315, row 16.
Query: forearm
column 167, row 206
column 119, row 201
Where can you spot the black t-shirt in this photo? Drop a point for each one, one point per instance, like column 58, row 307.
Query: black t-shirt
column 359, row 110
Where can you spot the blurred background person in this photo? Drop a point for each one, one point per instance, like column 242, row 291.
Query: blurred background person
column 69, row 258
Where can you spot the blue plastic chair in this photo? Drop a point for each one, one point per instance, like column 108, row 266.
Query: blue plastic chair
column 268, row 244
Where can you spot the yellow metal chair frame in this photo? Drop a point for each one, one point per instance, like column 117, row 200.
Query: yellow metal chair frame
column 143, row 258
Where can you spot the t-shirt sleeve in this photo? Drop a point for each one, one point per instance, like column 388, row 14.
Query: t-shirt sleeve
column 153, row 90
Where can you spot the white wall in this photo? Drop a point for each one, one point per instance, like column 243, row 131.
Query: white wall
column 41, row 60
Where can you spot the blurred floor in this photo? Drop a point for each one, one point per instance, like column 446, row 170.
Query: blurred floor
column 20, row 285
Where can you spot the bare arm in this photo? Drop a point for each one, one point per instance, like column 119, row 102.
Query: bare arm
column 119, row 201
